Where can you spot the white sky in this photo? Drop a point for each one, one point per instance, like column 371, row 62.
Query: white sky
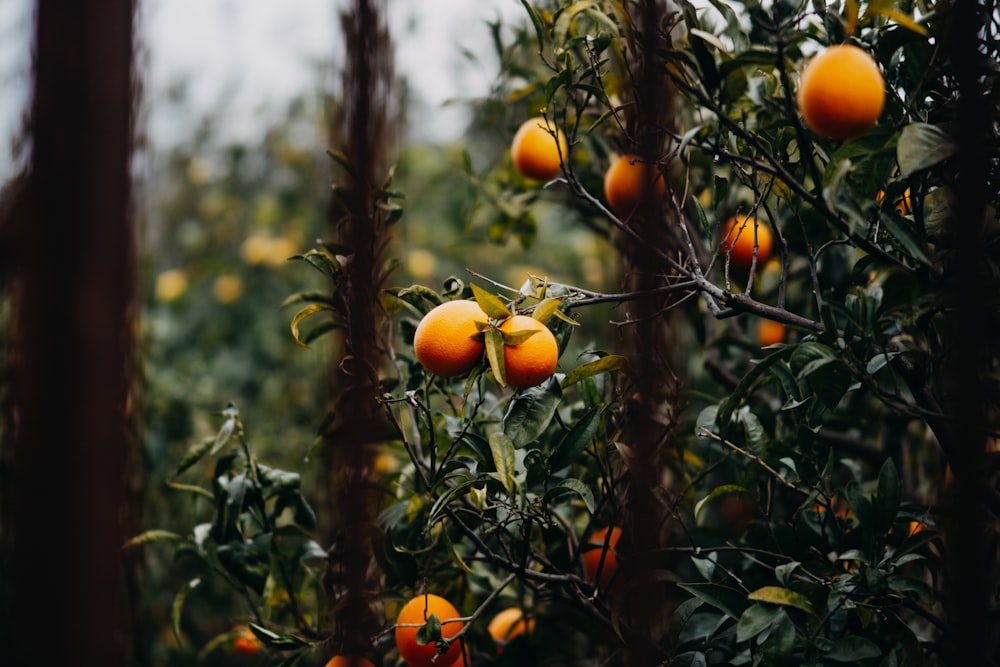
column 255, row 54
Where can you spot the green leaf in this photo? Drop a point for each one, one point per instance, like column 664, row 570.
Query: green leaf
column 281, row 642
column 922, row 145
column 223, row 436
column 308, row 311
column 716, row 493
column 887, row 496
column 430, row 631
column 152, row 536
column 575, row 440
column 494, row 353
column 727, row 600
column 781, row 596
column 853, row 649
column 191, row 488
column 177, row 607
column 755, row 620
column 546, row 308
column 502, row 448
column 490, row 303
column 607, row 364
column 194, row 454
column 727, row 406
column 571, row 486
column 781, row 640
column 537, row 22
column 903, row 231
column 783, row 573
column 531, row 411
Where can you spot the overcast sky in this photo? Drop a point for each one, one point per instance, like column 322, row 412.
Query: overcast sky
column 255, row 54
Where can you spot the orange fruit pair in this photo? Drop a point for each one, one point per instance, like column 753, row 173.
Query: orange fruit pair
column 447, row 343
column 841, row 92
column 535, row 152
column 414, row 614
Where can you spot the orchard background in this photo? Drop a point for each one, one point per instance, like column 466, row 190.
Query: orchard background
column 770, row 438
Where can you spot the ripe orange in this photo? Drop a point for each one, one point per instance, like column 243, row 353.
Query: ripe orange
column 770, row 332
column 532, row 361
column 246, row 641
column 904, row 204
column 841, row 92
column 445, row 342
column 629, row 181
column 592, row 557
column 508, row 624
column 535, row 152
column 352, row 661
column 738, row 239
column 417, row 611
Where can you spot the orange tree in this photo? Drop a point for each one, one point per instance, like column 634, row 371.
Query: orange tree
column 806, row 482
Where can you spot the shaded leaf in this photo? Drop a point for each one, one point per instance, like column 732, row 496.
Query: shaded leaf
column 575, row 440
column 853, row 649
column 608, row 364
column 755, row 620
column 781, row 596
column 727, row 600
column 531, row 411
column 716, row 493
column 502, row 448
column 922, row 145
column 571, row 486
column 152, row 536
column 308, row 311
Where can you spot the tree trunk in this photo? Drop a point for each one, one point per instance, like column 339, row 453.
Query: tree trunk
column 650, row 411
column 970, row 560
column 362, row 134
column 71, row 346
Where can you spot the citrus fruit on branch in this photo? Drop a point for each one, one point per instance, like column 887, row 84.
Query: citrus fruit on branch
column 841, row 92
column 415, row 614
column 533, row 359
column 535, row 151
column 631, row 181
column 447, row 340
column 740, row 234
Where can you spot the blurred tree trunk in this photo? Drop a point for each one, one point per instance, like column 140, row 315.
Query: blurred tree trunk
column 971, row 553
column 649, row 337
column 71, row 345
column 362, row 133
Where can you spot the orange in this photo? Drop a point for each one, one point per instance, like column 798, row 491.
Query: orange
column 738, row 240
column 592, row 557
column 246, row 641
column 508, row 624
column 770, row 332
column 417, row 611
column 629, row 181
column 445, row 341
column 532, row 361
column 535, row 152
column 841, row 92
column 904, row 204
column 352, row 661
